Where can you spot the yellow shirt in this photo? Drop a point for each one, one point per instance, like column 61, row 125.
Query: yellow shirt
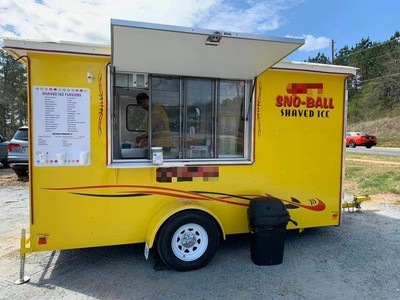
column 160, row 130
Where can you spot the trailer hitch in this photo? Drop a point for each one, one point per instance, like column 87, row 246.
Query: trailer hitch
column 355, row 202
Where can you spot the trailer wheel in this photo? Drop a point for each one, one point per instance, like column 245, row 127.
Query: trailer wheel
column 188, row 241
column 352, row 144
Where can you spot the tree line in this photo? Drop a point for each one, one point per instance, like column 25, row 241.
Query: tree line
column 375, row 91
column 13, row 95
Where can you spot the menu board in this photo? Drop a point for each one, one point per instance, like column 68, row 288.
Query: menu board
column 61, row 135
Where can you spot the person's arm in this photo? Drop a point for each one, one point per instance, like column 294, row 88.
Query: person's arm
column 141, row 138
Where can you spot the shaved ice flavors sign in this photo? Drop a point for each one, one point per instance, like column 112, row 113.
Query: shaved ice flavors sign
column 61, row 126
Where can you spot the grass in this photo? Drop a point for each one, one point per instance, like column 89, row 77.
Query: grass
column 372, row 174
column 389, row 142
column 386, row 129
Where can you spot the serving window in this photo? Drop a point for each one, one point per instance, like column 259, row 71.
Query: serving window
column 193, row 120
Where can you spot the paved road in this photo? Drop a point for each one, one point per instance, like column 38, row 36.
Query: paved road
column 375, row 151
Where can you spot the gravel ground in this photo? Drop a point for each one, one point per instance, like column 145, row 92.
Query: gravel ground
column 358, row 260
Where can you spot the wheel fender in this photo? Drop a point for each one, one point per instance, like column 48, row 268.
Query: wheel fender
column 170, row 209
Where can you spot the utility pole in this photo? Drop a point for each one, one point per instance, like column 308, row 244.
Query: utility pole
column 333, row 51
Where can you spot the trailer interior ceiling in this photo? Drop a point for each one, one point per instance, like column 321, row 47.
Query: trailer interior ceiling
column 161, row 49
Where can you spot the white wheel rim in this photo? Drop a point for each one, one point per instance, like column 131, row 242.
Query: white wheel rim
column 189, row 242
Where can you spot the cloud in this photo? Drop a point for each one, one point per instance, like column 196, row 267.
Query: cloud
column 315, row 43
column 248, row 16
column 89, row 20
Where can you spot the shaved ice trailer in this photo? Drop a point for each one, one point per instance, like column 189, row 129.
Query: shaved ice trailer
column 241, row 122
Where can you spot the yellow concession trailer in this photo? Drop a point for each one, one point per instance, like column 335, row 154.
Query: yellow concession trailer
column 238, row 123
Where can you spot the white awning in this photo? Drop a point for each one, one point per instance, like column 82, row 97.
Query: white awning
column 161, row 49
column 18, row 48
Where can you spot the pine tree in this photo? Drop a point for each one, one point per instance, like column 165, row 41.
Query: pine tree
column 13, row 95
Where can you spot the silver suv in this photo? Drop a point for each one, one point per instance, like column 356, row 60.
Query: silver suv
column 18, row 155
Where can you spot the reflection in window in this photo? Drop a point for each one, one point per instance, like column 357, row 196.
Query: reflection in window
column 136, row 118
column 165, row 115
column 199, row 96
column 230, row 119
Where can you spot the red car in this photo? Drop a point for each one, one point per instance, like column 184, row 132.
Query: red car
column 354, row 139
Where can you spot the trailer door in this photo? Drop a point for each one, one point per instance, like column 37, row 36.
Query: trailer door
column 162, row 49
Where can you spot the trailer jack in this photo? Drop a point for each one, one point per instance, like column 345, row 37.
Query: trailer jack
column 355, row 203
column 22, row 279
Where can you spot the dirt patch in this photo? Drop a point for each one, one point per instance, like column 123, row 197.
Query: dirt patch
column 386, row 198
column 9, row 179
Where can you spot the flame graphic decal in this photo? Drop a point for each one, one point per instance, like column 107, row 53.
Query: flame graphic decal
column 134, row 191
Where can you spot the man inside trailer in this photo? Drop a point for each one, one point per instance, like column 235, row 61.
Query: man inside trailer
column 160, row 129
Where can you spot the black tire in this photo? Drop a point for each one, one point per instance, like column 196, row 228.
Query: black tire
column 352, row 144
column 195, row 229
column 368, row 146
column 21, row 172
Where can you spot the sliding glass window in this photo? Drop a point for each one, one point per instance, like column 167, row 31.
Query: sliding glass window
column 192, row 119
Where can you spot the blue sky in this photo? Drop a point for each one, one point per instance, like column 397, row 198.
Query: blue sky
column 317, row 21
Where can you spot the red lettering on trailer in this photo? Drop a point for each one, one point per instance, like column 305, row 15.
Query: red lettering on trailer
column 279, row 101
column 320, row 102
column 296, row 101
column 288, row 101
column 310, row 102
